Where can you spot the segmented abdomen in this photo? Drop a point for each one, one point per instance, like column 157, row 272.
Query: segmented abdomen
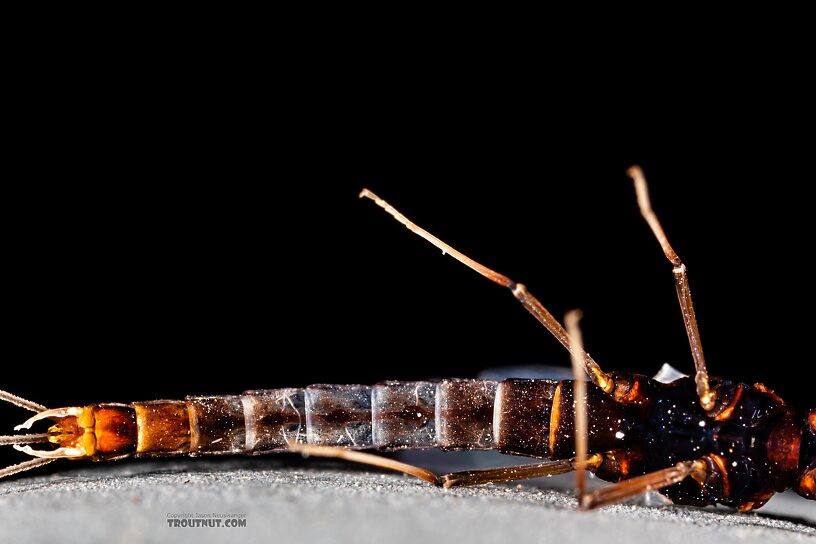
column 526, row 417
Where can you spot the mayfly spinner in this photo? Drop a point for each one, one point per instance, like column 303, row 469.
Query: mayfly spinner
column 700, row 440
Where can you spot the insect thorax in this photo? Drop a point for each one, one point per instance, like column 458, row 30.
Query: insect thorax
column 750, row 442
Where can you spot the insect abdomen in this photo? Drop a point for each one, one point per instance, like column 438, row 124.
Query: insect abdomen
column 525, row 417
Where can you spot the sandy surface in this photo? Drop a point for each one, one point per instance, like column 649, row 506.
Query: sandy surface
column 284, row 499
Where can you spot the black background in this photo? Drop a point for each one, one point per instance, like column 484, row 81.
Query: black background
column 199, row 232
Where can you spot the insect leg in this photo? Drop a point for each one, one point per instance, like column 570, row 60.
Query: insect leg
column 365, row 459
column 707, row 396
column 579, row 394
column 632, row 487
column 598, row 377
column 521, row 472
column 453, row 479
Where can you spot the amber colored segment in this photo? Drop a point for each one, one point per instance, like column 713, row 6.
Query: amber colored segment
column 629, row 388
column 728, row 399
column 619, row 465
column 163, row 427
column 216, row 425
column 555, row 417
column 720, row 470
column 521, row 418
column 755, row 502
column 807, row 484
column 764, row 389
column 114, row 429
column 66, row 432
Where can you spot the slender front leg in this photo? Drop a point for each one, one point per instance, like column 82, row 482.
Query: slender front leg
column 598, row 377
column 453, row 479
column 707, row 396
column 633, row 487
column 365, row 459
column 521, row 472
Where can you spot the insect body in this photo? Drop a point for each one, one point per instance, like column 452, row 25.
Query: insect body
column 700, row 441
column 750, row 444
